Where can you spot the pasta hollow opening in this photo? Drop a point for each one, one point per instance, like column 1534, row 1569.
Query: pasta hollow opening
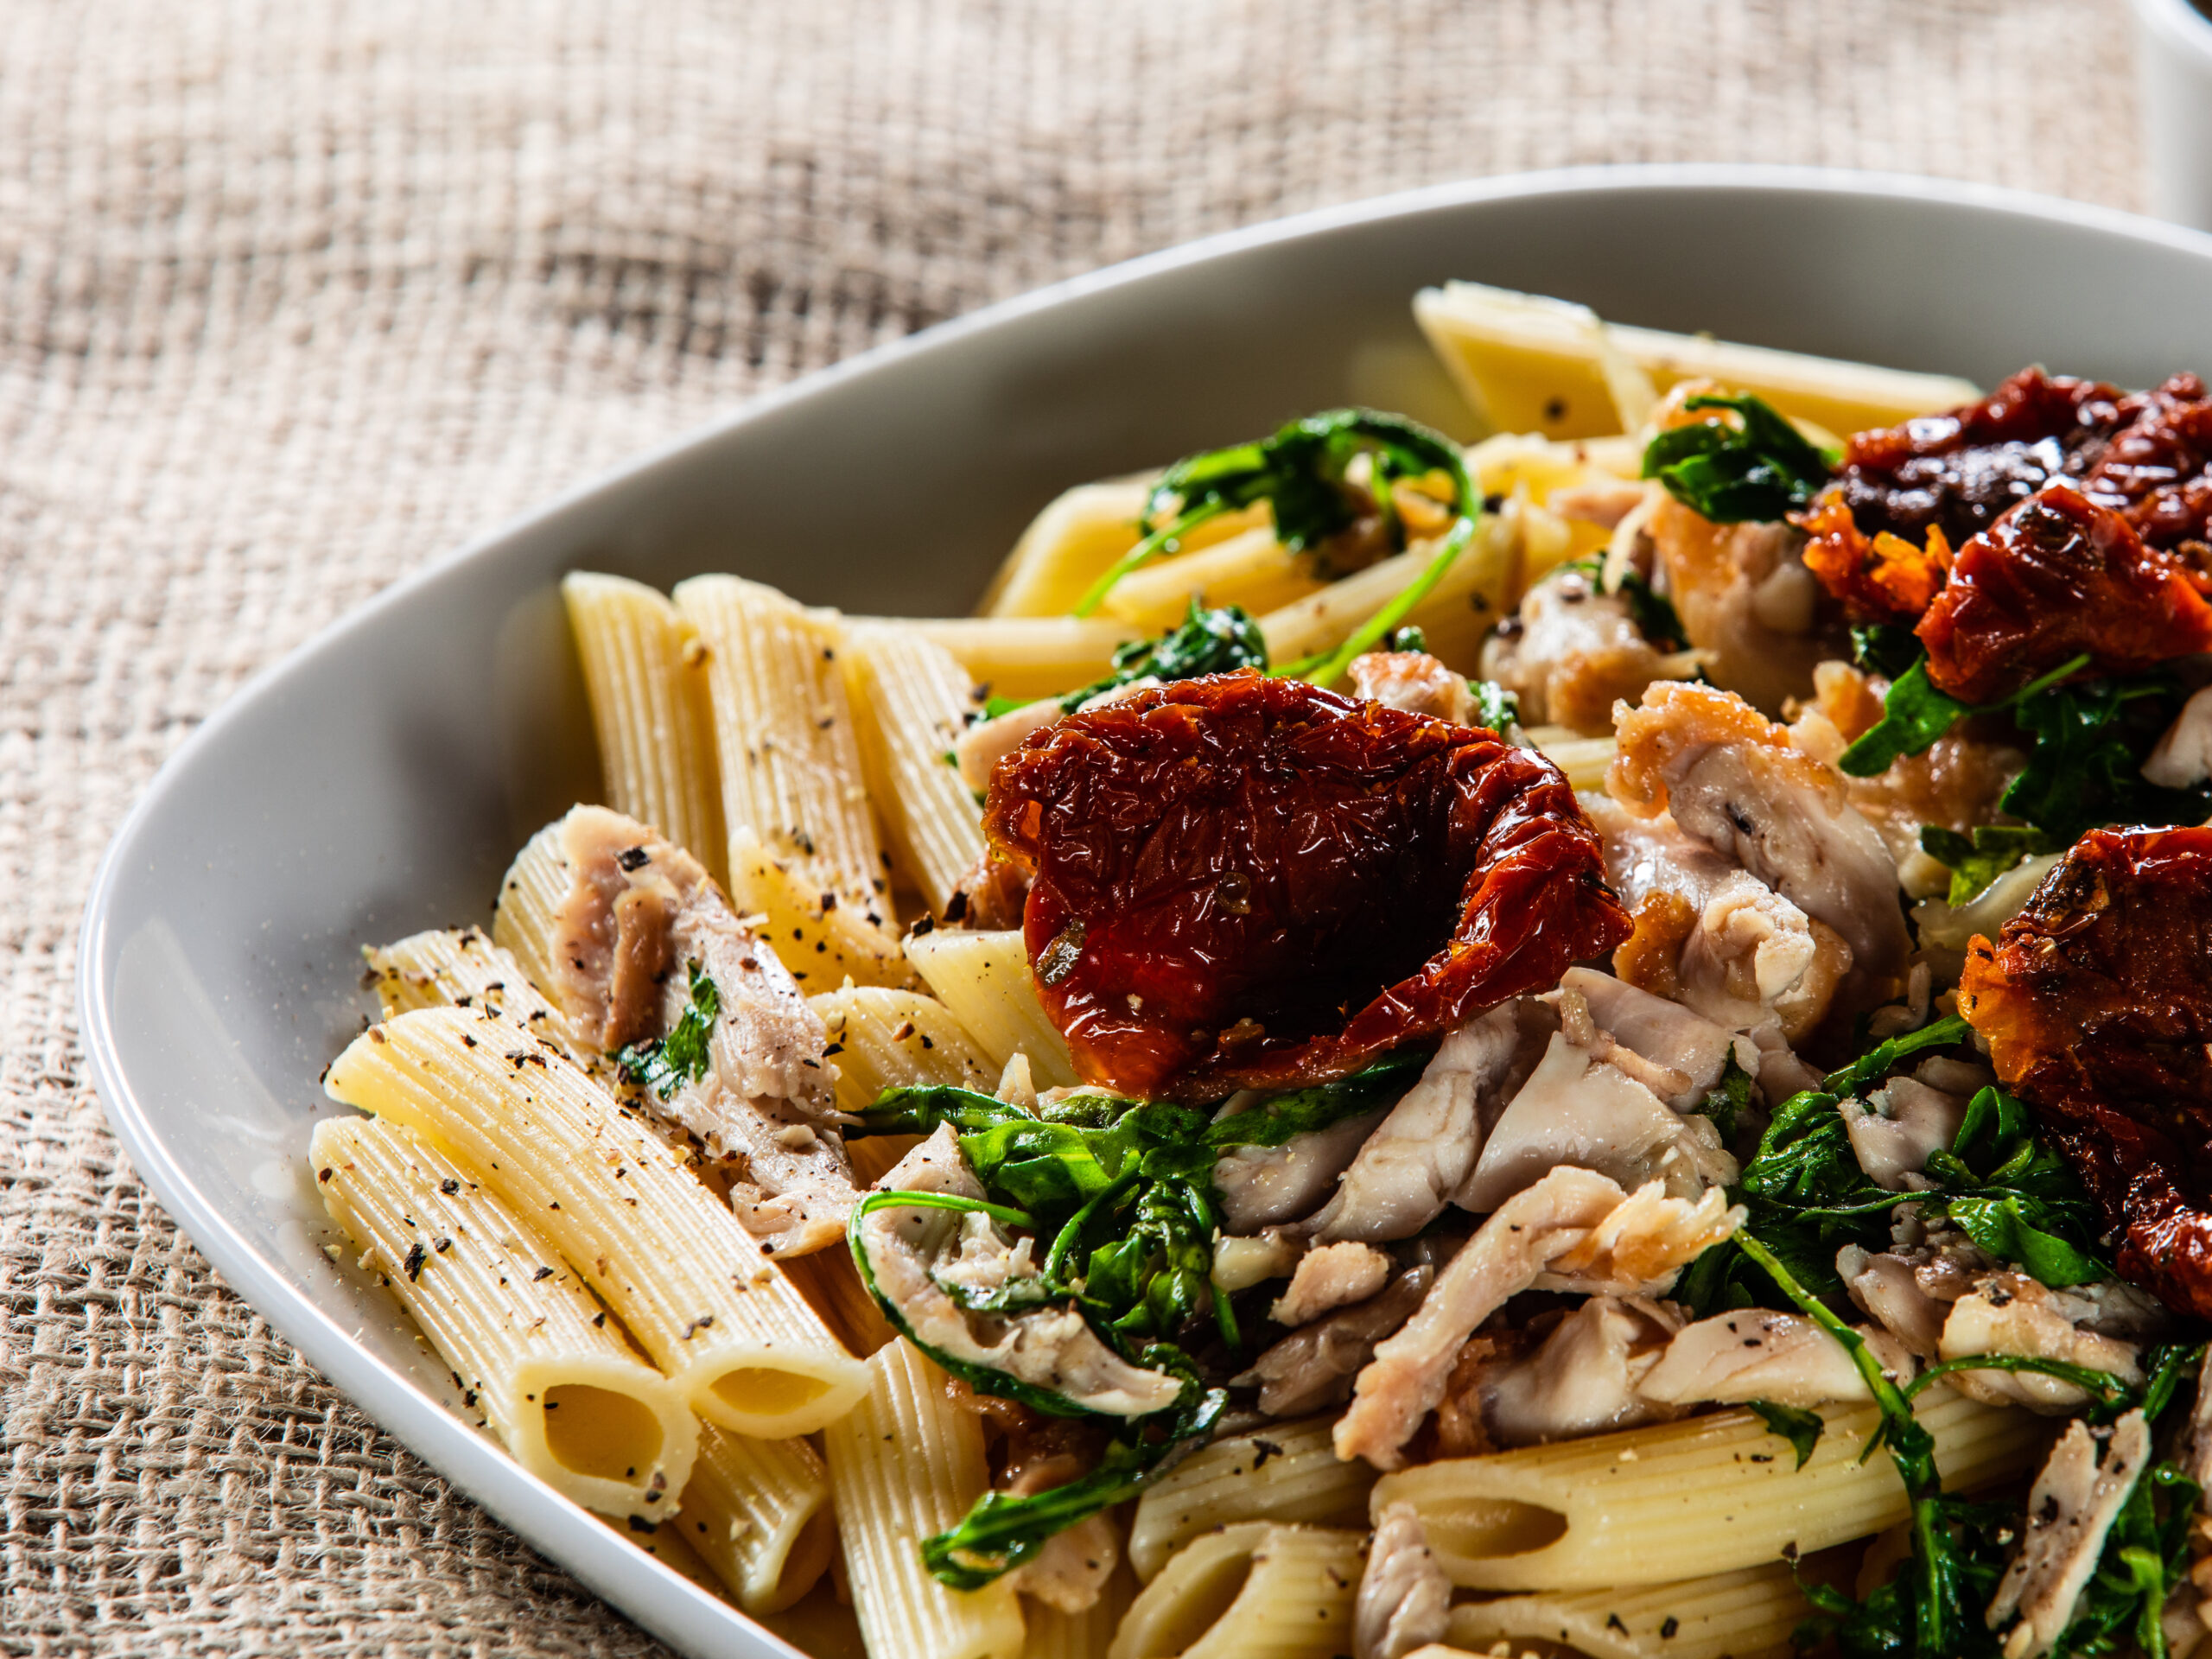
column 1486, row 1528
column 756, row 1388
column 597, row 1432
column 1205, row 1603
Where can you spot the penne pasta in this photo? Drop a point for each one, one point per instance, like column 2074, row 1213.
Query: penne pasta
column 688, row 1282
column 525, row 1339
column 820, row 942
column 1456, row 614
column 525, row 915
column 1028, row 656
column 1070, row 543
column 883, row 1039
column 787, row 748
column 832, row 1288
column 905, row 1463
column 1710, row 1493
column 1253, row 570
column 1744, row 1615
column 444, row 968
column 646, row 669
column 914, row 700
column 983, row 978
column 1253, row 1591
column 1086, row 1635
column 758, row 1513
column 1287, row 1472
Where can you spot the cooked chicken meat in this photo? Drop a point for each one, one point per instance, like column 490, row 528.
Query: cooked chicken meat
column 1404, row 1598
column 913, row 1255
column 1756, row 1354
column 1583, row 1375
column 1572, row 651
column 1898, row 1126
column 1410, row 1165
column 2071, row 1507
column 1665, row 1033
column 1263, row 1186
column 1314, row 1368
column 640, row 916
column 1414, row 682
column 1746, row 601
column 1329, row 1277
column 1733, row 780
column 1573, row 1229
column 2011, row 1313
column 2183, row 757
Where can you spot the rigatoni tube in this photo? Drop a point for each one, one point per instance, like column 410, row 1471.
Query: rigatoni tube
column 758, row 1512
column 567, row 1397
column 683, row 1273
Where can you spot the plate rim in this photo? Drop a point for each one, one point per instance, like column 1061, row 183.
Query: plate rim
column 558, row 1530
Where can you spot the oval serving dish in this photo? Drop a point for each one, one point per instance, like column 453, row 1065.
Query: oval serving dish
column 377, row 780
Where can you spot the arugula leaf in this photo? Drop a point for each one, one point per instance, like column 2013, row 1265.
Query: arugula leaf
column 1884, row 648
column 666, row 1064
column 1801, row 1428
column 1913, row 714
column 1758, row 467
column 1300, row 470
column 1726, row 1101
column 1204, row 642
column 1495, row 707
column 1883, row 1059
column 2085, row 765
column 1002, row 1531
column 1978, row 859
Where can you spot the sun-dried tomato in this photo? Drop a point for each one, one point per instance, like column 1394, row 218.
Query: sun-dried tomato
column 1960, row 472
column 2157, row 471
column 1242, row 882
column 2058, row 577
column 2097, row 1005
column 1879, row 578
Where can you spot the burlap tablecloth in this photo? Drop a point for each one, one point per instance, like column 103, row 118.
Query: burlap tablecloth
column 296, row 296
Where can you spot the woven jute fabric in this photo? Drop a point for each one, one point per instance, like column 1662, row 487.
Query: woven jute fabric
column 295, row 295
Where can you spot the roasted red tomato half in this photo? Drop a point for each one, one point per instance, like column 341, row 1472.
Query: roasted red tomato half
column 1246, row 883
column 2096, row 1001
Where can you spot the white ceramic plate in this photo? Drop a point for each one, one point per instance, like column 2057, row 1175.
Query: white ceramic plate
column 378, row 781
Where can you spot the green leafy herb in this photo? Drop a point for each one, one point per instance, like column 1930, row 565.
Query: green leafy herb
column 666, row 1064
column 1801, row 1428
column 1205, row 642
column 1977, row 859
column 994, row 707
column 1913, row 714
column 1726, row 1101
column 1884, row 648
column 1002, row 1531
column 1302, row 471
column 1757, row 467
column 1495, row 707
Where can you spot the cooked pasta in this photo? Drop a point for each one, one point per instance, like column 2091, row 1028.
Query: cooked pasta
column 884, row 1039
column 1712, row 1494
column 690, row 1282
column 1289, row 1473
column 525, row 1339
column 442, row 967
column 1252, row 1591
column 904, row 1463
column 787, row 747
column 1077, row 537
column 1750, row 1614
column 1086, row 1635
column 1024, row 656
column 1252, row 570
column 758, row 1513
column 646, row 671
column 983, row 978
column 1455, row 615
column 914, row 700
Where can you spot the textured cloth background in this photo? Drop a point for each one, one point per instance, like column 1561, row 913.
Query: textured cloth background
column 295, row 295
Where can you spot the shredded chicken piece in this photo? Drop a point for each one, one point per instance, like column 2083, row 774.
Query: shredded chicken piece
column 1070, row 1572
column 2071, row 1509
column 2183, row 757
column 1582, row 1376
column 1577, row 1109
column 1404, row 1598
column 1574, row 1229
column 1412, row 681
column 1898, row 1126
column 1571, row 652
column 2011, row 1313
column 1693, row 1049
column 914, row 1253
column 1239, row 1262
column 1733, row 780
column 1264, row 1186
column 1711, row 935
column 1314, row 1368
column 1420, row 1154
column 638, row 912
column 1329, row 1277
column 1886, row 1287
column 1757, row 1355
column 1742, row 592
